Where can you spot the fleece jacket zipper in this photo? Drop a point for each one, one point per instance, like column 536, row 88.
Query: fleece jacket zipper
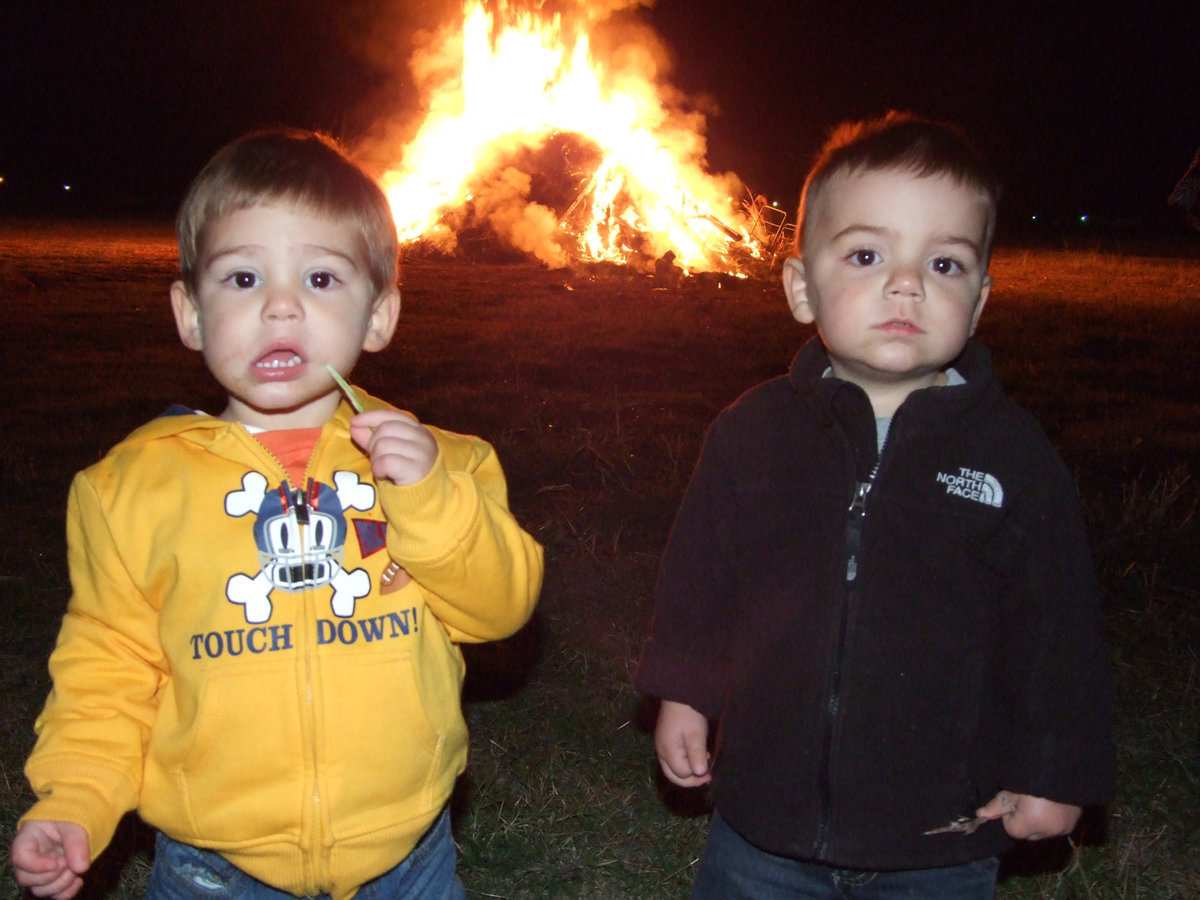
column 854, row 524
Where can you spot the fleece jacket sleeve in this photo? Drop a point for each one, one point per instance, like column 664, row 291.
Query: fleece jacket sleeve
column 1058, row 679
column 686, row 658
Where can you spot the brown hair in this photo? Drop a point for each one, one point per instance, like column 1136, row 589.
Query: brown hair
column 908, row 143
column 307, row 168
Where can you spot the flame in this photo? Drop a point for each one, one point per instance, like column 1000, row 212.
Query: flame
column 519, row 105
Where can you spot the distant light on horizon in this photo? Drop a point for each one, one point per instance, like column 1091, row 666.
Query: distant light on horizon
column 1084, row 217
column 66, row 187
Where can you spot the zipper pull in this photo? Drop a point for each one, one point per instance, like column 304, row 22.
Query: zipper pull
column 300, row 502
column 858, row 510
column 858, row 504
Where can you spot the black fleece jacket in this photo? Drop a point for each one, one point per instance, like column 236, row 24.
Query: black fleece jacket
column 966, row 655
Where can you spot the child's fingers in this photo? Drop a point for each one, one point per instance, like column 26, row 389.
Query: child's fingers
column 76, row 847
column 401, row 449
column 364, row 427
column 1031, row 818
column 680, row 739
column 65, row 886
column 682, row 775
column 392, row 428
column 697, row 756
column 685, row 764
column 39, row 866
column 679, row 762
column 44, row 877
column 401, row 460
column 37, row 850
column 374, row 418
column 999, row 806
column 48, row 859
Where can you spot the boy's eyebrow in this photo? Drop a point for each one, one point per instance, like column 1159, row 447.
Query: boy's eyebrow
column 321, row 249
column 873, row 230
column 239, row 250
column 959, row 240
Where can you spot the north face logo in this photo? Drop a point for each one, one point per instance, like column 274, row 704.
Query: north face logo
column 972, row 485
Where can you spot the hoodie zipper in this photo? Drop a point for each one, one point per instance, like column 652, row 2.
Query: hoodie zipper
column 314, row 840
column 317, row 866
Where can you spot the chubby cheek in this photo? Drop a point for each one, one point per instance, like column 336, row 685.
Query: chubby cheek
column 222, row 346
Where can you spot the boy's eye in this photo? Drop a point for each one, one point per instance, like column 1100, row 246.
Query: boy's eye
column 321, row 280
column 243, row 279
column 944, row 265
column 864, row 258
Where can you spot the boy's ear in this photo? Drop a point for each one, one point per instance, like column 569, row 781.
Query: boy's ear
column 984, row 291
column 187, row 317
column 382, row 324
column 795, row 286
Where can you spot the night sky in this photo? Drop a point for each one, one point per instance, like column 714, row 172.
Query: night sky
column 1085, row 108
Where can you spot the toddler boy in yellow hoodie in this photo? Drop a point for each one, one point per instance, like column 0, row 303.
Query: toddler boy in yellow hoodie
column 260, row 654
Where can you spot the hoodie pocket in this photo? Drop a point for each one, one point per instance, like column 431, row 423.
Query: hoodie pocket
column 380, row 752
column 229, row 768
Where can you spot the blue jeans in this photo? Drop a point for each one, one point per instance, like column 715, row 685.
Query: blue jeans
column 734, row 869
column 184, row 872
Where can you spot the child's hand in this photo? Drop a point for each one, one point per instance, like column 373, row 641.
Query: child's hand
column 681, row 740
column 401, row 449
column 49, row 858
column 1029, row 818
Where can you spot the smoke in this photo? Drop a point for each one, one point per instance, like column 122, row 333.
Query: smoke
column 529, row 227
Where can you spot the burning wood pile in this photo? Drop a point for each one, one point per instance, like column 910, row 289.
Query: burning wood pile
column 533, row 142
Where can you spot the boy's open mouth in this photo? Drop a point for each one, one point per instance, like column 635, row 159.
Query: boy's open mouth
column 281, row 364
column 279, row 359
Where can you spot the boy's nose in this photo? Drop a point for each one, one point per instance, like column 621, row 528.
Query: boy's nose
column 905, row 284
column 282, row 304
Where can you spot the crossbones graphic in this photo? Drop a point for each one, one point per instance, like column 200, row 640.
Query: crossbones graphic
column 301, row 538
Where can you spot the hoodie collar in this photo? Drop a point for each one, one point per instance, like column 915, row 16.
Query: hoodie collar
column 182, row 421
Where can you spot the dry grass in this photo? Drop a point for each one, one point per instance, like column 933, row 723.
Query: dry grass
column 596, row 386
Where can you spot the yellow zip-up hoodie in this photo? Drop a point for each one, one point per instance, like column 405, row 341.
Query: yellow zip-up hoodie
column 271, row 670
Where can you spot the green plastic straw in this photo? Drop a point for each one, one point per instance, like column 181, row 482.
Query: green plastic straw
column 350, row 393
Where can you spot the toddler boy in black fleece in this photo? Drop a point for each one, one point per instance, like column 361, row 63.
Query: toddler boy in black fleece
column 878, row 585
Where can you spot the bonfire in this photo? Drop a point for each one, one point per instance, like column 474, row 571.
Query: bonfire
column 533, row 139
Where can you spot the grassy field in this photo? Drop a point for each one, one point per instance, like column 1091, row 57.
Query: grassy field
column 596, row 386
